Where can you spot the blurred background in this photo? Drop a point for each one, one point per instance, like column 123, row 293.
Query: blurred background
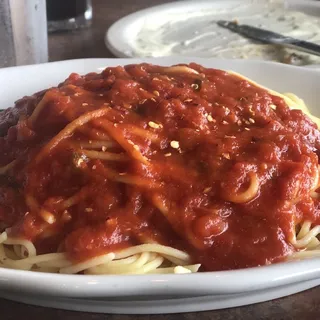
column 76, row 28
column 37, row 31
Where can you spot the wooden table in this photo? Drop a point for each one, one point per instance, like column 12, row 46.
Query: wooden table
column 89, row 43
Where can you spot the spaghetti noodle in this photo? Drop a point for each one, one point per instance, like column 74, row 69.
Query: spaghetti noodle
column 147, row 169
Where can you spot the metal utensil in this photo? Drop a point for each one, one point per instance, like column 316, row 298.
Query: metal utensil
column 267, row 36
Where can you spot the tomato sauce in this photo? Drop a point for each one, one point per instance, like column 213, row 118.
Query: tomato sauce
column 225, row 173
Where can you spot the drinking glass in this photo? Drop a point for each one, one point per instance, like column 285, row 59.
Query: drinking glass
column 68, row 14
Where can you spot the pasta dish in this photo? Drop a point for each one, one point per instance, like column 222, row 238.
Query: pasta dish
column 149, row 169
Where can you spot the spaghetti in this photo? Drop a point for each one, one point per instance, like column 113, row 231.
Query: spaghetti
column 147, row 169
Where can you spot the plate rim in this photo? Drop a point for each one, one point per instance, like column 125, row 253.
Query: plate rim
column 165, row 306
column 225, row 282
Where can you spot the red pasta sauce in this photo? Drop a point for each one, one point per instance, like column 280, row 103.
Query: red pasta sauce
column 209, row 164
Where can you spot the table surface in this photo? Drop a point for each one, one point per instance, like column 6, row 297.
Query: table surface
column 89, row 43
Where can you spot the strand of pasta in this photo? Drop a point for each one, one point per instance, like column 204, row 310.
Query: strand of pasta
column 307, row 240
column 93, row 133
column 68, row 130
column 39, row 107
column 140, row 259
column 113, row 130
column 130, row 179
column 171, row 217
column 88, row 264
column 308, row 234
column 82, row 194
column 143, row 133
column 31, row 250
column 248, row 194
column 97, row 144
column 4, row 169
column 179, row 69
column 157, row 248
column 119, row 268
column 178, row 269
column 111, row 156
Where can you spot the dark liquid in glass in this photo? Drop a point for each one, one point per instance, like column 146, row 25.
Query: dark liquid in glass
column 65, row 9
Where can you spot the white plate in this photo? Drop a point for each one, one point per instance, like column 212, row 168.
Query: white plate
column 235, row 287
column 161, row 305
column 188, row 28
